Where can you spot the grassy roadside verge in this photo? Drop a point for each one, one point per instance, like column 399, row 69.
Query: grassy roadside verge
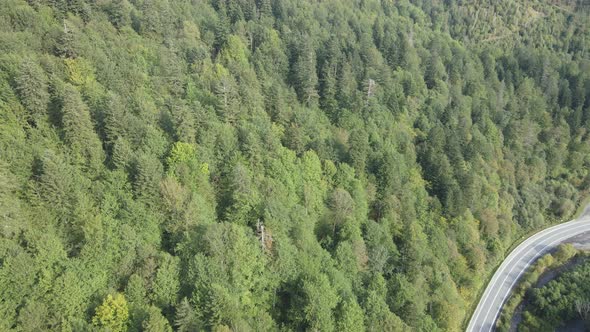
column 490, row 275
column 507, row 253
column 582, row 205
column 564, row 254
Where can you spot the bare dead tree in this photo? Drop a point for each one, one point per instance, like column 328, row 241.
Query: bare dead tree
column 370, row 86
column 582, row 308
column 260, row 231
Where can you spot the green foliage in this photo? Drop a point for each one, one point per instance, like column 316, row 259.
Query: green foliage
column 564, row 254
column 350, row 316
column 78, row 130
column 31, row 86
column 180, row 152
column 315, row 304
column 227, row 275
column 112, row 314
column 186, row 319
column 166, row 285
column 559, row 301
column 262, row 165
column 155, row 321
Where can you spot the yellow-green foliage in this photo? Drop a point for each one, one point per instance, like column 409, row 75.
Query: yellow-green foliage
column 80, row 71
column 112, row 314
column 180, row 152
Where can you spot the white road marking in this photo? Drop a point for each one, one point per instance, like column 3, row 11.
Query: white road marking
column 548, row 238
column 512, row 256
column 522, row 271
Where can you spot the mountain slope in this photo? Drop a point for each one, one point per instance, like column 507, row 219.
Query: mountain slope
column 391, row 150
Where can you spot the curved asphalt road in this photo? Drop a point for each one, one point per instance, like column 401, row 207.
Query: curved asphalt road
column 497, row 292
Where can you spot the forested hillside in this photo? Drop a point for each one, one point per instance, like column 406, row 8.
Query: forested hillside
column 266, row 165
column 560, row 302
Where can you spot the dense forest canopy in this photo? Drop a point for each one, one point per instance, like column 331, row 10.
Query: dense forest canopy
column 562, row 301
column 265, row 165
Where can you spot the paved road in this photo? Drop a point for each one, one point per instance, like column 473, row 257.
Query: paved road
column 514, row 266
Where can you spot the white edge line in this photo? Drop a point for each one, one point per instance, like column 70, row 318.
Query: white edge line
column 540, row 253
column 514, row 254
column 507, row 261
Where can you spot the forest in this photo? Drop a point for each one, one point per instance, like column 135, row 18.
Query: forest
column 559, row 302
column 280, row 165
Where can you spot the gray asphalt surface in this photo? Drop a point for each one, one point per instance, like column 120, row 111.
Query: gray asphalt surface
column 515, row 265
